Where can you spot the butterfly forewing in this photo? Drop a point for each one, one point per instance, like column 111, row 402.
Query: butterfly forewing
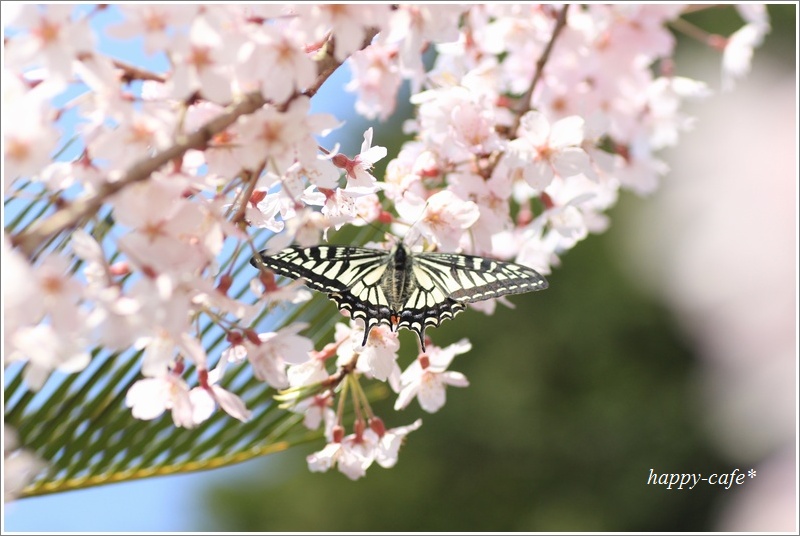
column 325, row 268
column 467, row 278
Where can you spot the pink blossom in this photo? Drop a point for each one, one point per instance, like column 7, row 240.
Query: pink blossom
column 352, row 454
column 50, row 38
column 346, row 23
column 203, row 61
column 458, row 122
column 22, row 301
column 427, row 377
column 45, row 350
column 283, row 137
column 351, row 462
column 20, row 466
column 28, row 146
column 544, row 150
column 274, row 50
column 378, row 358
column 150, row 397
column 413, row 25
column 270, row 357
column 491, row 196
column 442, row 219
column 225, row 151
column 359, row 179
column 738, row 54
column 664, row 98
column 208, row 394
column 310, row 372
column 153, row 23
column 376, row 80
column 316, row 410
column 390, row 443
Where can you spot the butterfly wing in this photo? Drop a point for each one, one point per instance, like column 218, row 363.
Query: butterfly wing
column 467, row 278
column 351, row 277
column 446, row 282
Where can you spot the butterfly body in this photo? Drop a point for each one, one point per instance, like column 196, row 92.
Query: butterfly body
column 398, row 288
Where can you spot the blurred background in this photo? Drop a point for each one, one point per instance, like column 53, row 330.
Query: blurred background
column 668, row 343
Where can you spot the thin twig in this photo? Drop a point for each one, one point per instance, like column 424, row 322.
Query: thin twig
column 525, row 101
column 244, row 197
column 131, row 72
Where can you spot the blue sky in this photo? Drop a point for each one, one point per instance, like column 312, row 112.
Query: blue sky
column 162, row 503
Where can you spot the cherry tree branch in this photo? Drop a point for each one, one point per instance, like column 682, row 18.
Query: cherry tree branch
column 29, row 240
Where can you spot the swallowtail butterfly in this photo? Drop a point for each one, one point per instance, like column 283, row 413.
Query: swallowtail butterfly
column 399, row 288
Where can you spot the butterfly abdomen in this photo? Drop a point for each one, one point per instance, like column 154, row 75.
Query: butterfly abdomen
column 398, row 280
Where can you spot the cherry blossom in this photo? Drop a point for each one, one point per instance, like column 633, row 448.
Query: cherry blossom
column 153, row 23
column 347, row 23
column 283, row 137
column 376, row 80
column 21, row 299
column 427, row 377
column 442, row 219
column 270, row 355
column 46, row 349
column 150, row 397
column 378, row 358
column 544, row 150
column 52, row 38
column 351, row 457
column 28, row 147
column 271, row 50
column 738, row 53
column 413, row 25
column 359, row 179
column 208, row 394
column 390, row 442
column 309, row 372
column 20, row 465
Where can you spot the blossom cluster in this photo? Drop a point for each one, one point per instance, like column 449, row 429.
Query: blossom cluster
column 527, row 125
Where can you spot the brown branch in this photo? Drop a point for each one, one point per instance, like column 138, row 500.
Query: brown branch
column 244, row 197
column 525, row 101
column 29, row 240
column 131, row 72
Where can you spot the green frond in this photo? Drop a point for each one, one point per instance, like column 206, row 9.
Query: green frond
column 79, row 425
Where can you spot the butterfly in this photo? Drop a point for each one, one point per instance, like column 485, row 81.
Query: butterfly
column 399, row 288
